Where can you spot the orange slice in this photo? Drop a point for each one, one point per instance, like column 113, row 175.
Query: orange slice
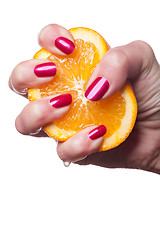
column 118, row 113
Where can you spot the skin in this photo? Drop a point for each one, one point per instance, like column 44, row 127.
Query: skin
column 135, row 62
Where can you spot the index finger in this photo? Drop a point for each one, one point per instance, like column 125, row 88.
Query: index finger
column 56, row 39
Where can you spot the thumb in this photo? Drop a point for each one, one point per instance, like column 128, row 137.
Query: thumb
column 116, row 67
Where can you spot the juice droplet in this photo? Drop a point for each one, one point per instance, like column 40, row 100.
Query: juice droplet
column 66, row 164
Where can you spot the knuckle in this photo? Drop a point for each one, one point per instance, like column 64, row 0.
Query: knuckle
column 145, row 47
column 148, row 55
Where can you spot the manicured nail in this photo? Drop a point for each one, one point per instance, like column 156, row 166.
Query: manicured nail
column 97, row 89
column 61, row 100
column 45, row 69
column 97, row 132
column 65, row 45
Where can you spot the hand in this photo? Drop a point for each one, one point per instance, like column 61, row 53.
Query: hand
column 135, row 62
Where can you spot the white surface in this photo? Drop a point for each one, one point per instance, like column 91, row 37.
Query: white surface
column 39, row 197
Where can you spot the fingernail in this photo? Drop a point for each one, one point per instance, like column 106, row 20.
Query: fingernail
column 97, row 89
column 65, row 45
column 61, row 100
column 97, row 132
column 45, row 69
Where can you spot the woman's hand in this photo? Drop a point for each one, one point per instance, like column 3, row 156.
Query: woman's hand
column 135, row 62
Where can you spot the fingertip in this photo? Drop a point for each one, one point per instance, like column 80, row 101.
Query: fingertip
column 82, row 144
column 38, row 113
column 56, row 39
column 109, row 76
column 31, row 74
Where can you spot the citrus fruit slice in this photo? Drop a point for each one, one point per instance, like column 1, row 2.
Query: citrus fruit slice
column 118, row 113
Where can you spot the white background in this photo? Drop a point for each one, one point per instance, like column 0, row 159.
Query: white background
column 39, row 197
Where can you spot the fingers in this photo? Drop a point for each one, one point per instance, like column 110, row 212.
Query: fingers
column 36, row 114
column 30, row 74
column 118, row 65
column 83, row 143
column 56, row 39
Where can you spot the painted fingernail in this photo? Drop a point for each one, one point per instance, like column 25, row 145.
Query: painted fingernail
column 45, row 69
column 97, row 132
column 65, row 45
column 97, row 89
column 61, row 100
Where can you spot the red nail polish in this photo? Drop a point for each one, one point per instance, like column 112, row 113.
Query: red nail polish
column 97, row 132
column 45, row 69
column 61, row 100
column 65, row 45
column 97, row 89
